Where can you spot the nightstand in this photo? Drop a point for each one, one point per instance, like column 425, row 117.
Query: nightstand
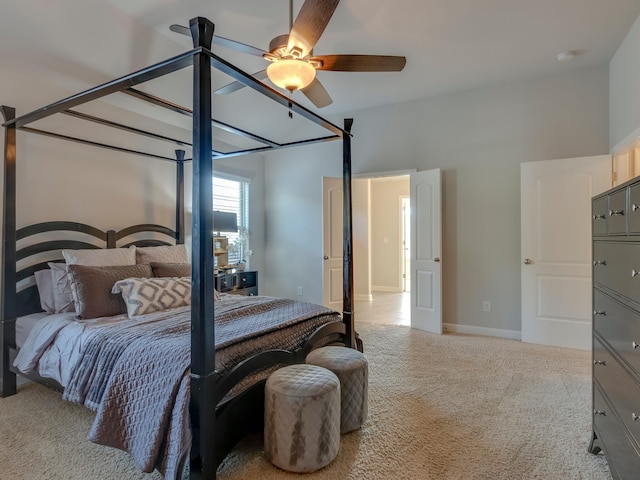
column 238, row 283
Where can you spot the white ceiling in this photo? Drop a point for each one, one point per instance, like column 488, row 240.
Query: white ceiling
column 450, row 45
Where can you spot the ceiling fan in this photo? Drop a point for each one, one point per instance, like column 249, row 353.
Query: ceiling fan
column 293, row 65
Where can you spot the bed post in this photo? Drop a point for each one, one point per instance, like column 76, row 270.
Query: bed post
column 180, row 196
column 8, row 299
column 202, row 407
column 347, row 267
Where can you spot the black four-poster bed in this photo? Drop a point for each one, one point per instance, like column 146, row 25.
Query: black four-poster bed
column 215, row 431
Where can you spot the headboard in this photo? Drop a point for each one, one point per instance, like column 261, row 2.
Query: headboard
column 41, row 243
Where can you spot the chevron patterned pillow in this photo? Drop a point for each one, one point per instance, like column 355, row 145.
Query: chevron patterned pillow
column 146, row 295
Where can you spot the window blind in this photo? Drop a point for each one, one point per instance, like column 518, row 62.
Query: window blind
column 232, row 195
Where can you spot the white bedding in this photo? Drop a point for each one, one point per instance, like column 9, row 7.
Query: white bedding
column 25, row 324
column 55, row 359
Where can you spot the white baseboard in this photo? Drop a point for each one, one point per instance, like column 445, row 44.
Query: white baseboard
column 487, row 332
column 386, row 289
column 364, row 297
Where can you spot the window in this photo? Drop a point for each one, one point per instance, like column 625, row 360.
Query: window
column 231, row 194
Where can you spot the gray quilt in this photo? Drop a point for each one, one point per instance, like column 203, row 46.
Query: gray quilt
column 137, row 378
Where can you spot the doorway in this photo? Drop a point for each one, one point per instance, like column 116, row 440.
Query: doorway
column 382, row 228
column 381, row 246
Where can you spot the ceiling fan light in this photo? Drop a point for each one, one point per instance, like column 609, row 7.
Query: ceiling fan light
column 291, row 74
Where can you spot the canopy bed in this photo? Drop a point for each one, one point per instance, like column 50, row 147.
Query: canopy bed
column 215, row 425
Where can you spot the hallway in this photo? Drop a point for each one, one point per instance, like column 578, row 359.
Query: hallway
column 385, row 308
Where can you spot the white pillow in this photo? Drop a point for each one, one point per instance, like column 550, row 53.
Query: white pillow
column 162, row 254
column 147, row 295
column 45, row 290
column 62, row 296
column 101, row 257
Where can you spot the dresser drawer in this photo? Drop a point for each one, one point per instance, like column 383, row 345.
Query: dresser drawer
column 634, row 208
column 247, row 279
column 619, row 326
column 599, row 215
column 622, row 390
column 248, row 292
column 617, row 220
column 621, row 453
column 614, row 265
column 224, row 282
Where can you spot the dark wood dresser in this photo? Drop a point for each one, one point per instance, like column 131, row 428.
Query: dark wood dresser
column 616, row 328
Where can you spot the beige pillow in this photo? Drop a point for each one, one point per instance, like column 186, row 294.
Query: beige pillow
column 91, row 287
column 162, row 254
column 147, row 295
column 101, row 257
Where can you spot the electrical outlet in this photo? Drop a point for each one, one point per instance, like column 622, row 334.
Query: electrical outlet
column 486, row 306
column 300, row 291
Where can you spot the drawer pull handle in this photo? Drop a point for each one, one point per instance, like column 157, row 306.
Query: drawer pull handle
column 599, row 262
column 600, row 412
column 600, row 362
column 615, row 213
column 635, row 273
column 635, row 345
column 635, row 207
column 600, row 312
column 600, row 217
column 635, row 417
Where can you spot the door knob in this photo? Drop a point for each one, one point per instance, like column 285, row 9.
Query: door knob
column 326, row 257
column 436, row 259
column 527, row 261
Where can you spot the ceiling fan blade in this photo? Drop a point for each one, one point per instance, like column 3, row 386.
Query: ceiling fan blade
column 233, row 86
column 317, row 94
column 182, row 30
column 241, row 47
column 311, row 21
column 361, row 63
column 221, row 41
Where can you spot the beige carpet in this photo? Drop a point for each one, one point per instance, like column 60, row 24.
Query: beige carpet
column 441, row 407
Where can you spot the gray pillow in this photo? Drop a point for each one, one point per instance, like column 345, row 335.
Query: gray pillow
column 91, row 287
column 171, row 269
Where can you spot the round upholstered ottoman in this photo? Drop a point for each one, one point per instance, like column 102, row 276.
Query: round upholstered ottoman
column 352, row 369
column 302, row 418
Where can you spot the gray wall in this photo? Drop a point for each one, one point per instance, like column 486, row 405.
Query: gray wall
column 624, row 96
column 478, row 138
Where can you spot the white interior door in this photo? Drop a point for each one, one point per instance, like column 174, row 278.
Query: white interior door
column 426, row 250
column 332, row 242
column 556, row 248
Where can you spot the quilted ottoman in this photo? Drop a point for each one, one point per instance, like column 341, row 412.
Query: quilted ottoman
column 302, row 418
column 352, row 369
